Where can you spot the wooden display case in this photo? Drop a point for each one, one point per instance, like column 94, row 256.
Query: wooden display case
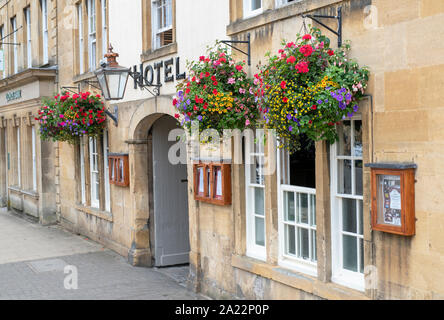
column 393, row 198
column 212, row 182
column 118, row 169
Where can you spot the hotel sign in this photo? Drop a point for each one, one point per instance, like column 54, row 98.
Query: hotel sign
column 13, row 95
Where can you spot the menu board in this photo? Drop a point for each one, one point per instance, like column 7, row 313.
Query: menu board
column 390, row 187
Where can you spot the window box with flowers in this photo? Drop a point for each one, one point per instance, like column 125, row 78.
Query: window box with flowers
column 67, row 118
column 308, row 88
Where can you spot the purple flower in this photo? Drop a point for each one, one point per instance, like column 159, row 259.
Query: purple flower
column 188, row 102
column 289, row 116
column 199, row 118
column 350, row 114
column 355, row 108
column 339, row 98
column 319, row 101
column 342, row 105
column 342, row 90
column 348, row 96
column 290, row 128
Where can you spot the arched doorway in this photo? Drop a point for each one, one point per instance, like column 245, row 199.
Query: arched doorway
column 169, row 225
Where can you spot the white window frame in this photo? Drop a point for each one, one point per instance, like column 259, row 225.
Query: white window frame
column 92, row 36
column 19, row 159
column 2, row 28
column 248, row 11
column 14, row 40
column 354, row 280
column 104, row 5
column 28, row 37
column 253, row 249
column 282, row 3
column 80, row 39
column 44, row 5
column 287, row 260
column 94, row 172
column 34, row 159
column 82, row 171
column 156, row 31
column 106, row 169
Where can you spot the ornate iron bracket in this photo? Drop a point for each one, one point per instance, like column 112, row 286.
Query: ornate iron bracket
column 248, row 42
column 337, row 17
column 138, row 77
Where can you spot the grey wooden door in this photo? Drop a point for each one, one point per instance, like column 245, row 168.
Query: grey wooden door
column 171, row 233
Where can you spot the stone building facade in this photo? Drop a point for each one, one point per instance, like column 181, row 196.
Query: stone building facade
column 337, row 255
column 29, row 40
column 243, row 249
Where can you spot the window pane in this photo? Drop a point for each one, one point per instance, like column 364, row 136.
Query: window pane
column 361, row 244
column 344, row 143
column 256, row 4
column 289, row 206
column 302, row 208
column 260, row 231
column 304, row 251
column 313, row 209
column 290, row 239
column 349, row 215
column 357, row 148
column 358, row 177
column 350, row 253
column 313, row 245
column 344, row 177
column 259, row 201
column 361, row 217
column 256, row 170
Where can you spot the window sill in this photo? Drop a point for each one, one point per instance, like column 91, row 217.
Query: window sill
column 84, row 76
column 159, row 53
column 283, row 12
column 30, row 193
column 96, row 212
column 326, row 290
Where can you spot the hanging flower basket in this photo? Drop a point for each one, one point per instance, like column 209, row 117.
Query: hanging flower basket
column 67, row 118
column 308, row 88
column 218, row 94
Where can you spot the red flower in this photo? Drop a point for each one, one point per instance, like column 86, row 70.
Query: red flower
column 215, row 83
column 195, row 108
column 290, row 44
column 291, row 59
column 283, row 85
column 284, row 99
column 306, row 50
column 213, row 78
column 201, row 58
column 215, row 92
column 207, row 74
column 193, row 79
column 306, row 37
column 174, row 102
column 187, row 90
column 314, row 107
column 330, row 52
column 310, row 122
column 239, row 67
column 302, row 67
column 177, row 116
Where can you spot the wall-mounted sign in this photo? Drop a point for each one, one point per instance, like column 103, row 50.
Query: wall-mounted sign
column 2, row 60
column 13, row 95
column 118, row 169
column 393, row 198
column 152, row 73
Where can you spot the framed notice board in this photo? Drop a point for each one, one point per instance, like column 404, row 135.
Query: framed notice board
column 212, row 182
column 393, row 198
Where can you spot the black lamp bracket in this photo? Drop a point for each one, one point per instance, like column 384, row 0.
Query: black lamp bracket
column 138, row 77
column 337, row 17
column 114, row 116
column 248, row 42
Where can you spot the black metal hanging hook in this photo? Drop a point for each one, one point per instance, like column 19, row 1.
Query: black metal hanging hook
column 337, row 17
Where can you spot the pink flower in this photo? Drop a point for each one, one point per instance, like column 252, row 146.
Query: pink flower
column 231, row 81
column 247, row 122
column 62, row 116
column 291, row 59
column 242, row 91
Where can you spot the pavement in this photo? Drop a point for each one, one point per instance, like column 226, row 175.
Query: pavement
column 50, row 263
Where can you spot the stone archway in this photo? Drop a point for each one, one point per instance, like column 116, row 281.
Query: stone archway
column 146, row 114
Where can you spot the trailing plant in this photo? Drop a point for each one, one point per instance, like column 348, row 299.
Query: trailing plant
column 307, row 88
column 218, row 94
column 67, row 118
